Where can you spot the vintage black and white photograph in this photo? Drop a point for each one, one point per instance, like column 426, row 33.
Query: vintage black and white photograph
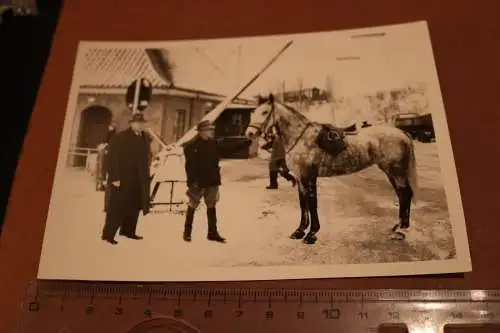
column 315, row 155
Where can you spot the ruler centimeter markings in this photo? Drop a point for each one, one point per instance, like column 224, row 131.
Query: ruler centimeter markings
column 95, row 307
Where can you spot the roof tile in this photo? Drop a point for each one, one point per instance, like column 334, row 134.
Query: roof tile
column 117, row 68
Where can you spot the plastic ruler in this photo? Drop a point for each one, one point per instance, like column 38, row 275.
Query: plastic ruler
column 56, row 307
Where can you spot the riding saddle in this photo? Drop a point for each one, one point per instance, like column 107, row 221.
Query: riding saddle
column 331, row 138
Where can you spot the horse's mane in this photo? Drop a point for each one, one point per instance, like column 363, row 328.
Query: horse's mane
column 293, row 110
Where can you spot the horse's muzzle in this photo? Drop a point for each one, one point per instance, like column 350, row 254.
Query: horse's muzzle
column 251, row 132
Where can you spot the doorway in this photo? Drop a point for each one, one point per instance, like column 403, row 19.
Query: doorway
column 94, row 125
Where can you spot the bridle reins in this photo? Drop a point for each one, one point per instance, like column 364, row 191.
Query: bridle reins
column 272, row 114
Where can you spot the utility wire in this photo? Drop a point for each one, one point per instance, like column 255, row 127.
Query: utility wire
column 207, row 58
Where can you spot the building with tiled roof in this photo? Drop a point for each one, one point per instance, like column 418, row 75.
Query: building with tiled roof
column 103, row 77
column 118, row 67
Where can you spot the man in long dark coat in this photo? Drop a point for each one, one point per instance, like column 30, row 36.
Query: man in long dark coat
column 202, row 156
column 128, row 180
column 277, row 162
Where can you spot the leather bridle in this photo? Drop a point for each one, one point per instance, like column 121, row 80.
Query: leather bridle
column 265, row 124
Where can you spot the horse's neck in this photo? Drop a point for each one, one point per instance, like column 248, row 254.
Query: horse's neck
column 291, row 126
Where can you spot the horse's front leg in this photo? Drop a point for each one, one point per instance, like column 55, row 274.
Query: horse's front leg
column 312, row 205
column 299, row 233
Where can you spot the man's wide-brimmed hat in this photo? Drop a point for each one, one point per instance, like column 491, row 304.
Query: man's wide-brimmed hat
column 205, row 125
column 137, row 118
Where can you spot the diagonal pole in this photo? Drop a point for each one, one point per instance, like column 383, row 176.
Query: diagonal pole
column 212, row 115
column 175, row 148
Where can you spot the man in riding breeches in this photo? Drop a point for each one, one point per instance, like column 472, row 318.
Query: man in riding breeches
column 203, row 179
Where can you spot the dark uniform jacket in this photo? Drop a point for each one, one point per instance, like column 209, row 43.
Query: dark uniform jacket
column 128, row 160
column 202, row 163
column 278, row 153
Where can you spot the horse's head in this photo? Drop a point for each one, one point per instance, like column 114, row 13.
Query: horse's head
column 261, row 119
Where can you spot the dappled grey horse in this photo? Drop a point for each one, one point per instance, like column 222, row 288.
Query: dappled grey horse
column 318, row 150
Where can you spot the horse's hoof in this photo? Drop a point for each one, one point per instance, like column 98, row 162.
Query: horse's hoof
column 310, row 239
column 398, row 233
column 298, row 234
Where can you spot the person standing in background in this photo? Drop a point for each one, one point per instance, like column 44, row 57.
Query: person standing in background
column 128, row 171
column 102, row 151
column 111, row 133
column 277, row 161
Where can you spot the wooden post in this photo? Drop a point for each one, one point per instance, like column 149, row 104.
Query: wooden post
column 330, row 99
column 300, row 94
column 135, row 105
column 238, row 67
column 282, row 91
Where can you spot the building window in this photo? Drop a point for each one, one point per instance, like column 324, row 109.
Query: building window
column 237, row 119
column 180, row 123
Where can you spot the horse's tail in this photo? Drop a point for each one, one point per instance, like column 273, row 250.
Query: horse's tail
column 412, row 171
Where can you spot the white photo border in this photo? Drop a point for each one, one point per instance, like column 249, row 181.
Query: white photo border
column 462, row 262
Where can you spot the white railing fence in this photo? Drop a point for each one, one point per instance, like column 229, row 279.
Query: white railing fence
column 84, row 158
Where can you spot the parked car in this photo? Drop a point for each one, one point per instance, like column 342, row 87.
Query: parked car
column 419, row 127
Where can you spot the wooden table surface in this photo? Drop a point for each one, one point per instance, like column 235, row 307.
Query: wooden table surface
column 465, row 37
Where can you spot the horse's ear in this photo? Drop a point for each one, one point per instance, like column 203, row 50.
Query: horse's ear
column 260, row 100
column 271, row 98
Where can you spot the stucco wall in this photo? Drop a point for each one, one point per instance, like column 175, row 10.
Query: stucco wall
column 161, row 114
column 121, row 114
column 172, row 104
column 195, row 110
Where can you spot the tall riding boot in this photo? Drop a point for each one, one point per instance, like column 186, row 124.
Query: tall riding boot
column 273, row 180
column 188, row 224
column 213, row 234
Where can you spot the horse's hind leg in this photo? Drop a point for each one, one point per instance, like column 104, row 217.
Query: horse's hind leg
column 299, row 233
column 404, row 192
column 405, row 195
column 405, row 206
column 312, row 205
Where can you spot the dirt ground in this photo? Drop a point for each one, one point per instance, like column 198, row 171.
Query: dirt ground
column 356, row 213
